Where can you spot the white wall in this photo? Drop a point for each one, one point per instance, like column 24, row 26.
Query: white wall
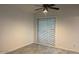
column 16, row 28
column 67, row 26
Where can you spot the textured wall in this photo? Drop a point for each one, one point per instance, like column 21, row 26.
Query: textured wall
column 67, row 26
column 16, row 28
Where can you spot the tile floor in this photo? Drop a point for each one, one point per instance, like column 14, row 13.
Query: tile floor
column 40, row 49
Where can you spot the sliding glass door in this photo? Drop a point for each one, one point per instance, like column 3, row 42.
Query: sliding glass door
column 46, row 31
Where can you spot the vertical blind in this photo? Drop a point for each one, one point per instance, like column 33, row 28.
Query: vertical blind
column 46, row 31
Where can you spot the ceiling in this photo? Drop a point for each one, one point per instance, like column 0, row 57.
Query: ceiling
column 31, row 7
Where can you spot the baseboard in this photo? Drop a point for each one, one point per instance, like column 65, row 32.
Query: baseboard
column 67, row 49
column 4, row 52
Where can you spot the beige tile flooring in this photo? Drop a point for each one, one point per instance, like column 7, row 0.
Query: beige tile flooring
column 40, row 49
